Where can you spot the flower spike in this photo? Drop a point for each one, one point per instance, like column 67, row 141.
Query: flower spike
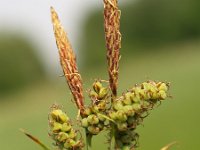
column 113, row 41
column 68, row 61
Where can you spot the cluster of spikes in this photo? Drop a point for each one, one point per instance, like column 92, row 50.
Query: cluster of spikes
column 125, row 113
column 107, row 111
column 119, row 115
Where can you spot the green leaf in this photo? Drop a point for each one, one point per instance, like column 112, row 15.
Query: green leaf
column 35, row 139
column 167, row 147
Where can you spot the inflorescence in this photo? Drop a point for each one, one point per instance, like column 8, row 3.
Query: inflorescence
column 126, row 112
column 120, row 115
column 61, row 130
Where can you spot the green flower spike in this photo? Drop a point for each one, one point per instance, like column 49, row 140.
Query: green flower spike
column 62, row 132
column 95, row 116
column 128, row 110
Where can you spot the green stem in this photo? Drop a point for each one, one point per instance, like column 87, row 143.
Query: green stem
column 88, row 140
column 112, row 136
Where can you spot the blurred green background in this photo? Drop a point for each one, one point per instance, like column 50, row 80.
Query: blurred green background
column 160, row 41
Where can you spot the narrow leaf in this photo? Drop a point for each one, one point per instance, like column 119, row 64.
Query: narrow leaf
column 35, row 139
column 168, row 146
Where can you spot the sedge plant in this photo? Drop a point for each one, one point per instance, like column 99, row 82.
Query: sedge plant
column 118, row 115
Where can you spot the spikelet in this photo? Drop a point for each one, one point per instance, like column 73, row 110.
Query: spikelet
column 95, row 118
column 68, row 61
column 113, row 41
column 62, row 131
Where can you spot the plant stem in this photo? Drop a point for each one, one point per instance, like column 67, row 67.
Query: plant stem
column 112, row 136
column 88, row 140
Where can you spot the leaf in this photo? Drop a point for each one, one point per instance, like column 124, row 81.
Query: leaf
column 35, row 139
column 168, row 146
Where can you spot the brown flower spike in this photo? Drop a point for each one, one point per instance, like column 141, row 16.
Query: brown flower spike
column 68, row 61
column 113, row 41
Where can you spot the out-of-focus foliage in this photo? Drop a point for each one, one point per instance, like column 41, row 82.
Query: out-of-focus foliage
column 144, row 24
column 18, row 62
column 161, row 21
